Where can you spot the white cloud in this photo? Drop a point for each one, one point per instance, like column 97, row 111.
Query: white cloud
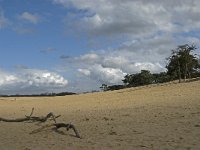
column 32, row 18
column 85, row 71
column 3, row 20
column 148, row 66
column 113, row 71
column 108, row 75
column 104, row 75
column 145, row 32
column 136, row 18
column 7, row 79
column 132, row 56
column 30, row 81
column 91, row 57
column 111, row 67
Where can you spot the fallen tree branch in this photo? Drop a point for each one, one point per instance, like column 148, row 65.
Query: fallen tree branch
column 67, row 126
column 32, row 118
column 14, row 120
column 57, row 126
column 43, row 119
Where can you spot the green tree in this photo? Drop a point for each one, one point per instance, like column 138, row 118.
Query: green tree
column 183, row 63
column 138, row 79
column 104, row 87
column 128, row 79
column 161, row 77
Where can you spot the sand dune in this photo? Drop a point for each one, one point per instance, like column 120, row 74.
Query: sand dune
column 161, row 117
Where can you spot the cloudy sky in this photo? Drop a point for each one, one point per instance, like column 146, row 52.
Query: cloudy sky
column 76, row 45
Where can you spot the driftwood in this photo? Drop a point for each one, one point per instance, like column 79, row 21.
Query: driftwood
column 32, row 118
column 57, row 126
column 50, row 115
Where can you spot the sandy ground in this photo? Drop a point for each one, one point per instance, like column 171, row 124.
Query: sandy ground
column 163, row 117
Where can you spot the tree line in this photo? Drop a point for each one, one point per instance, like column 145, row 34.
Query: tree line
column 40, row 95
column 182, row 64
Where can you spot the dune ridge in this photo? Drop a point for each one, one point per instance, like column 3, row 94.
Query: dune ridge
column 165, row 116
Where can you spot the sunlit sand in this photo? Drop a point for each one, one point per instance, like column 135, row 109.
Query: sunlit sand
column 152, row 117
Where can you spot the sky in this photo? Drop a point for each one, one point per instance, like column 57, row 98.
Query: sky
column 77, row 45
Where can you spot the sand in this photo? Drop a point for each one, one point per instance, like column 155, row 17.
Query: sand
column 152, row 117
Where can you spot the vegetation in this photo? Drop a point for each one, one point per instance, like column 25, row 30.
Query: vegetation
column 138, row 79
column 40, row 95
column 105, row 87
column 182, row 64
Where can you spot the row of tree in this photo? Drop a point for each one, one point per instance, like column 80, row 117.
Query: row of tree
column 40, row 95
column 182, row 64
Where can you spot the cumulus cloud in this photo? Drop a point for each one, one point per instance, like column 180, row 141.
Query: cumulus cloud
column 32, row 18
column 145, row 32
column 111, row 66
column 135, row 17
column 103, row 74
column 30, row 81
column 89, row 58
column 7, row 79
column 130, row 57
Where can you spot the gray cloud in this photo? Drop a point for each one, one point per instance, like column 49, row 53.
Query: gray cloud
column 137, row 18
column 145, row 32
column 111, row 67
column 131, row 57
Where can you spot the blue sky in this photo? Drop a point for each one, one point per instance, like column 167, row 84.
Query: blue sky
column 77, row 45
column 23, row 40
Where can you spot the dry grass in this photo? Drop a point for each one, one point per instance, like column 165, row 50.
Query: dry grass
column 151, row 117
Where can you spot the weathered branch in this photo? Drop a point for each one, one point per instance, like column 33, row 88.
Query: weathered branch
column 43, row 119
column 32, row 118
column 57, row 126
column 31, row 112
column 67, row 126
column 14, row 120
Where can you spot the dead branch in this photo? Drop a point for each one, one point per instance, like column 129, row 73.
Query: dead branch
column 14, row 120
column 57, row 126
column 67, row 126
column 32, row 118
column 50, row 115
